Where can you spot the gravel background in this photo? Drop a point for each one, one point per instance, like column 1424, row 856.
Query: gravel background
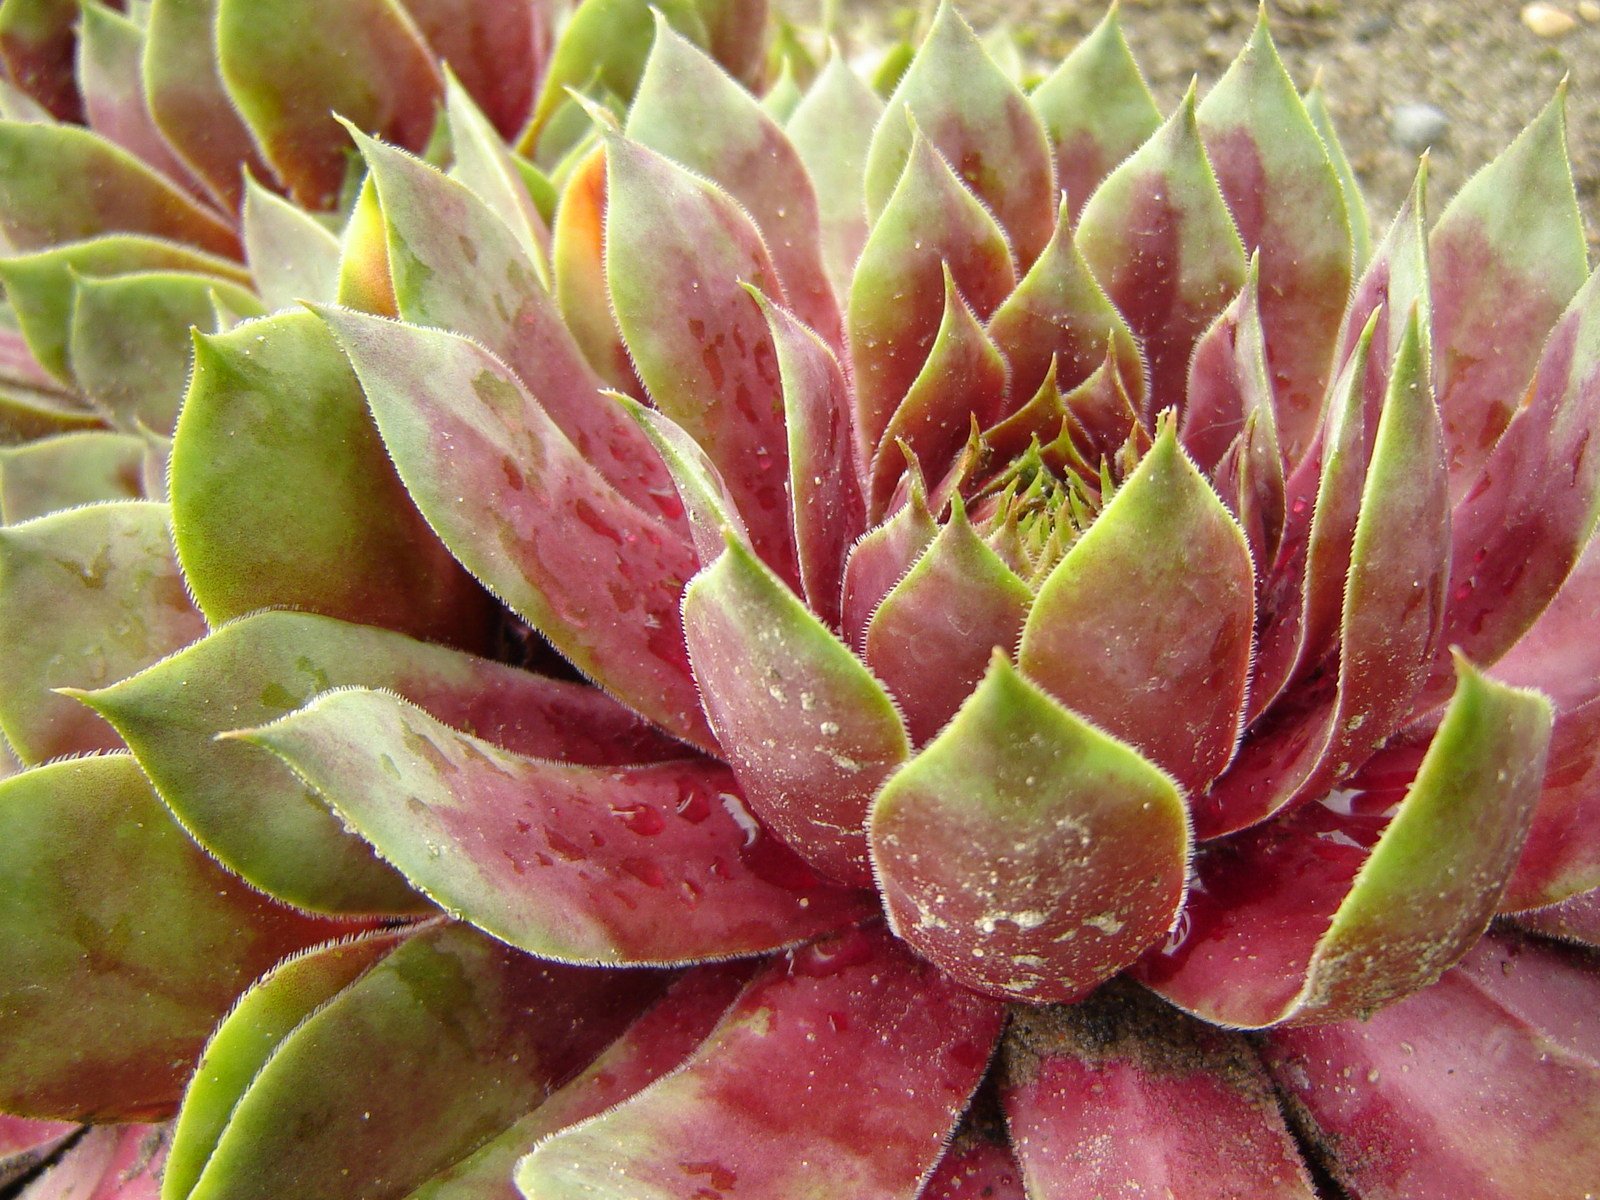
column 1484, row 68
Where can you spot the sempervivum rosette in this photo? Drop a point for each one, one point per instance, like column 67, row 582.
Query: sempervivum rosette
column 793, row 629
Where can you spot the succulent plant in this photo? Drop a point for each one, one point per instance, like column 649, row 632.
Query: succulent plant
column 647, row 619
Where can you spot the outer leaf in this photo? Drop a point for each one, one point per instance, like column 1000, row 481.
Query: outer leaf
column 829, row 510
column 1331, row 931
column 264, row 1016
column 677, row 252
column 1283, row 191
column 983, row 127
column 963, row 381
column 831, row 129
column 1574, row 920
column 117, row 1162
column 130, row 349
column 861, row 1054
column 24, row 1144
column 1155, row 599
column 1484, row 1085
column 59, row 183
column 368, row 63
column 443, row 1042
column 292, row 255
column 1097, row 110
column 86, row 597
column 1025, row 852
column 931, row 224
column 688, row 109
column 523, row 511
column 975, row 1168
column 41, row 287
column 1507, row 255
column 188, row 102
column 457, row 266
column 284, row 496
column 1158, row 236
column 110, row 53
column 1059, row 314
column 807, row 729
column 931, row 639
column 46, row 476
column 123, row 943
column 255, row 816
column 1119, row 1097
column 644, row 866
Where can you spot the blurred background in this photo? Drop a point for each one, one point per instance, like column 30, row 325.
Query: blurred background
column 1463, row 76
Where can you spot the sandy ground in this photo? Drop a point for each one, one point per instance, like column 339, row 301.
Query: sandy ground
column 1476, row 61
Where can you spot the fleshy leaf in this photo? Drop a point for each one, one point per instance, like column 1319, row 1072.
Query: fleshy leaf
column 187, row 99
column 623, row 866
column 111, row 78
column 283, row 495
column 123, row 943
column 654, row 1045
column 367, row 62
column 1155, row 599
column 831, row 129
column 443, row 1042
column 861, row 1054
column 931, row 639
column 1158, row 236
column 1355, row 202
column 1097, row 110
column 87, row 597
column 36, row 42
column 60, row 183
column 1286, row 201
column 688, row 109
column 522, row 510
column 1059, row 314
column 603, row 48
column 497, row 48
column 1121, row 1096
column 1507, row 255
column 1485, row 1085
column 457, row 266
column 982, row 126
column 808, row 730
column 577, row 255
column 829, row 510
column 256, row 817
column 24, row 1144
column 880, row 560
column 1339, row 911
column 130, row 349
column 112, row 1162
column 292, row 255
column 366, row 282
column 962, row 381
column 704, row 497
column 931, row 224
column 41, row 287
column 265, row 1015
column 1228, row 379
column 1520, row 529
column 486, row 164
column 975, row 1168
column 1573, row 920
column 677, row 251
column 46, row 476
column 1025, row 852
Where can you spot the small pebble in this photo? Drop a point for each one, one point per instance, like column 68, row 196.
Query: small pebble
column 1548, row 21
column 1415, row 127
column 1589, row 10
